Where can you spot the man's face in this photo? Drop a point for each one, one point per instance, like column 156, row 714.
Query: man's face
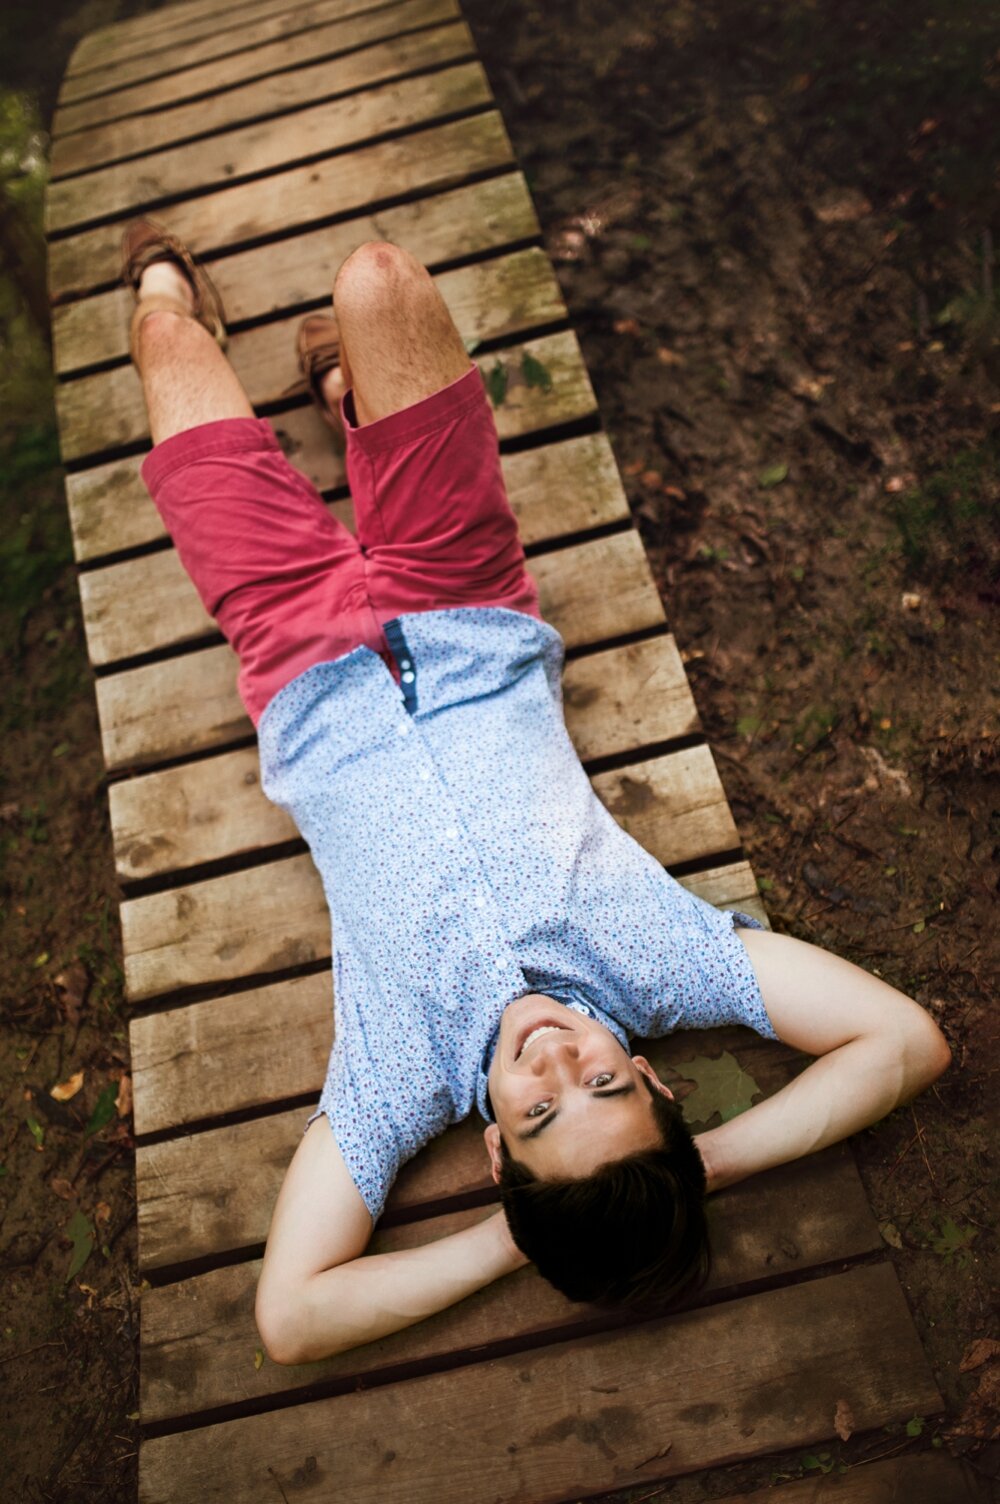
column 565, row 1095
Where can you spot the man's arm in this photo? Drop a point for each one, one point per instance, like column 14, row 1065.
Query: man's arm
column 877, row 1048
column 317, row 1296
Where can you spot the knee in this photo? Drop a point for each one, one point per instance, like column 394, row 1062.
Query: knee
column 374, row 269
column 279, row 1325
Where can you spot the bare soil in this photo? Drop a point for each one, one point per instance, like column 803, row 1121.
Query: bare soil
column 772, row 227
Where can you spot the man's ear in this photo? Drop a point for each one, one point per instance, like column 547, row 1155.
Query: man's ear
column 491, row 1137
column 642, row 1064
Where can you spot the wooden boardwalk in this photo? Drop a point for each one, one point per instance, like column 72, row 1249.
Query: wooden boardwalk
column 275, row 138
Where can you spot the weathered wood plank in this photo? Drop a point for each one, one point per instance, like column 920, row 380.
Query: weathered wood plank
column 439, row 157
column 224, row 928
column 504, row 296
column 208, row 810
column 212, row 1193
column 251, row 149
column 622, row 1408
column 160, row 111
column 164, row 41
column 199, row 1336
column 190, row 1063
column 285, row 274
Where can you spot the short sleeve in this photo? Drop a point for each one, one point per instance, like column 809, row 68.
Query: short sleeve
column 361, row 1127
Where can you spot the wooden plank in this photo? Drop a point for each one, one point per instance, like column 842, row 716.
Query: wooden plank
column 191, row 1063
column 161, row 37
column 212, row 1193
column 922, row 1478
column 90, row 133
column 439, row 157
column 212, row 809
column 144, row 605
column 312, row 66
column 467, row 221
column 223, row 928
column 265, row 146
column 563, row 1421
column 504, row 296
column 199, row 1336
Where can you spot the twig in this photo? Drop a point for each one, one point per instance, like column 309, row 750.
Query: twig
column 920, row 1136
column 9, row 1357
column 901, row 1156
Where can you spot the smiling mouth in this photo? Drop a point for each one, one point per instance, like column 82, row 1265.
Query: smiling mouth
column 534, row 1033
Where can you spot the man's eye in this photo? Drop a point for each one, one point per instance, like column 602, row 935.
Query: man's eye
column 539, row 1109
column 603, row 1079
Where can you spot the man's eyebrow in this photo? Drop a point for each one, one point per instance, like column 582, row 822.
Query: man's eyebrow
column 614, row 1091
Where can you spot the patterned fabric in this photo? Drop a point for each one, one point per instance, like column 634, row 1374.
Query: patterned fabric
column 466, row 861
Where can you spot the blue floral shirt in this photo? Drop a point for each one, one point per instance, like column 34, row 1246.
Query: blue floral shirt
column 466, row 861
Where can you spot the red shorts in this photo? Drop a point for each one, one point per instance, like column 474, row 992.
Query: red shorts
column 287, row 582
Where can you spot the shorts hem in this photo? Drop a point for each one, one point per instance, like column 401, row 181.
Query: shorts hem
column 430, row 413
column 206, row 441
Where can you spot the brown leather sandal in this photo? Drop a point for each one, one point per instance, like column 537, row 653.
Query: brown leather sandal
column 145, row 241
column 317, row 344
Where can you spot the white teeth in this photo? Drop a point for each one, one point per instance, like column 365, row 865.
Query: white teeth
column 537, row 1034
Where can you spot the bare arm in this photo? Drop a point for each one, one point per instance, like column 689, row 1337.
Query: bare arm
column 318, row 1296
column 876, row 1048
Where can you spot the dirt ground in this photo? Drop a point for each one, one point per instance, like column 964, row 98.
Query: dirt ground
column 772, row 227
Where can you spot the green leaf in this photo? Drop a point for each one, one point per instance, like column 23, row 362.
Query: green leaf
column 36, row 1130
column 820, row 1464
column 951, row 1238
column 748, row 725
column 915, row 1427
column 640, row 243
column 471, row 345
column 41, row 959
column 258, row 1359
column 104, row 1110
column 773, row 475
column 919, row 927
column 765, row 884
column 496, row 383
column 81, row 1235
column 722, row 1087
column 534, row 373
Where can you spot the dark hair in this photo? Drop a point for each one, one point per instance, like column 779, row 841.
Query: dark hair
column 632, row 1234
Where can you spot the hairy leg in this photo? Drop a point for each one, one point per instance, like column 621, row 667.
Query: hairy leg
column 186, row 379
column 398, row 341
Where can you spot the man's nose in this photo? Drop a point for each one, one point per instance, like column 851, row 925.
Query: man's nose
column 557, row 1049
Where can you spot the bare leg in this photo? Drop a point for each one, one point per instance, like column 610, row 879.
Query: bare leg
column 398, row 341
column 186, row 379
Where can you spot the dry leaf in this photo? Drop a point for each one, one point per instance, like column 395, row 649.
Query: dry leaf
column 625, row 326
column 102, row 1213
column 843, row 1420
column 72, row 985
column 978, row 1353
column 669, row 357
column 62, row 1188
column 67, row 1089
column 123, row 1101
column 842, row 206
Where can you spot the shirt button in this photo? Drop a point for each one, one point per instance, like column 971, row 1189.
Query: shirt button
column 404, row 729
column 479, row 901
column 425, row 775
column 408, row 678
column 452, row 833
column 405, row 663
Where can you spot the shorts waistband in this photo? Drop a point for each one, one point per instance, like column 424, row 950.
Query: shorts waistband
column 419, row 418
column 207, row 441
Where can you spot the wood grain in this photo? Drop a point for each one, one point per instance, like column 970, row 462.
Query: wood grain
column 286, row 274
column 562, row 1421
column 503, row 296
column 199, row 1335
column 212, row 1192
column 161, row 112
column 223, row 928
column 429, row 160
column 166, row 39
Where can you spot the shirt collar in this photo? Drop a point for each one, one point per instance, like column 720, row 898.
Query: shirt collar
column 569, row 1000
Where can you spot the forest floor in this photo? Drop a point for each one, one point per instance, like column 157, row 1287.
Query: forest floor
column 772, row 227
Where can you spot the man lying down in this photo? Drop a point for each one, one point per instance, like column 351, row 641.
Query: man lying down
column 498, row 938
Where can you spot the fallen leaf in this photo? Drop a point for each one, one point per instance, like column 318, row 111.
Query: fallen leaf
column 81, row 1235
column 72, row 984
column 67, row 1089
column 910, row 600
column 258, row 1359
column 890, row 1233
column 62, row 1188
column 951, row 1238
column 842, row 206
column 102, row 1213
column 37, row 1131
column 772, row 475
column 104, row 1109
column 915, row 1427
column 651, row 478
column 843, row 1420
column 670, row 357
column 496, row 383
column 123, row 1101
column 625, row 326
column 535, row 373
column 978, row 1353
column 722, row 1087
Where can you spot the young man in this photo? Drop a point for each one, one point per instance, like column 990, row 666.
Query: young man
column 497, row 937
